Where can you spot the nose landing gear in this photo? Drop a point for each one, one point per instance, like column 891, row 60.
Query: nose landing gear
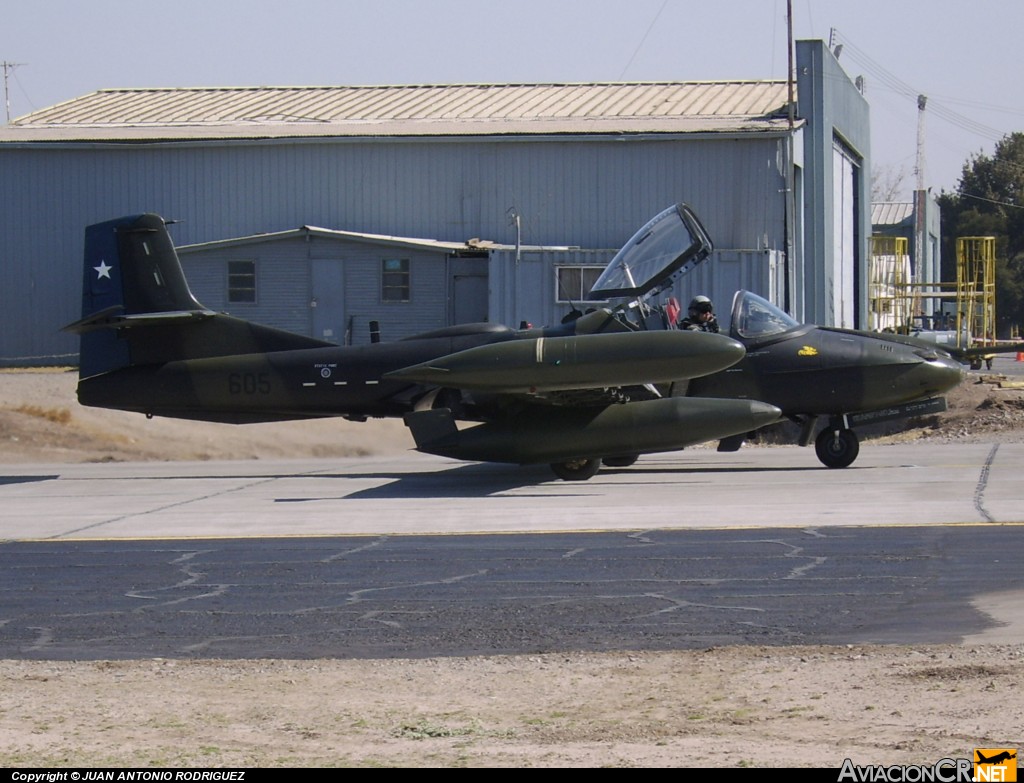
column 837, row 446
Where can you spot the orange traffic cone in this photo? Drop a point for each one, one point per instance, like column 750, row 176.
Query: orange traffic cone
column 1020, row 356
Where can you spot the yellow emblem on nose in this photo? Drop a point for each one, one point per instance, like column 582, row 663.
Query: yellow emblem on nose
column 807, row 350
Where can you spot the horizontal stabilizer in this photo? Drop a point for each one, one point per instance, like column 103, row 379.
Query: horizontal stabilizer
column 114, row 318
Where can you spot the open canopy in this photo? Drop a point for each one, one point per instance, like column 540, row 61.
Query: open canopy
column 667, row 244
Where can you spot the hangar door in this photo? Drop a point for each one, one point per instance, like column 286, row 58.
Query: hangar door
column 845, row 230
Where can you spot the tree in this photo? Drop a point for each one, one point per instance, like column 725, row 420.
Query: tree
column 989, row 201
column 887, row 183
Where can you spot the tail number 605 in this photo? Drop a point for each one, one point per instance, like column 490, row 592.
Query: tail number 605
column 249, row 383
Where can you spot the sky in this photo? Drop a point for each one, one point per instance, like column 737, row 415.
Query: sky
column 965, row 57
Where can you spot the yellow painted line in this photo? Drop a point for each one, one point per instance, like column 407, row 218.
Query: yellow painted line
column 575, row 531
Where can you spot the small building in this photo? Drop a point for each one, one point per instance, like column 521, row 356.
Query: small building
column 333, row 284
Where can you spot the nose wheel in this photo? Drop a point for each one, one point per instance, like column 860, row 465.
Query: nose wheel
column 837, row 447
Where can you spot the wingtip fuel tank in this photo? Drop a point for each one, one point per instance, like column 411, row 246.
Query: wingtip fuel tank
column 541, row 434
column 579, row 362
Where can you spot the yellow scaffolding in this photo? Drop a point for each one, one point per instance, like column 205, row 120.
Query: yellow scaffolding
column 896, row 302
column 976, row 288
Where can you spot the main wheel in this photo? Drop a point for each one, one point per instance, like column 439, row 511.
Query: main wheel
column 577, row 469
column 837, row 448
column 622, row 461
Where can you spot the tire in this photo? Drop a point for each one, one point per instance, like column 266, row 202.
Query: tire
column 621, row 461
column 837, row 448
column 579, row 469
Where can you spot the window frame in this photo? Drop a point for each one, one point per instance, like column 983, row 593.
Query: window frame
column 402, row 288
column 233, row 287
column 583, row 289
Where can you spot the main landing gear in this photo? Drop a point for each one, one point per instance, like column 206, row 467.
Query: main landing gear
column 583, row 468
column 579, row 469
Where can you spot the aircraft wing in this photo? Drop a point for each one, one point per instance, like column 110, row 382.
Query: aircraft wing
column 978, row 351
column 963, row 355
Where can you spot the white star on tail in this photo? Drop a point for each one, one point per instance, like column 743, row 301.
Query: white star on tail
column 103, row 270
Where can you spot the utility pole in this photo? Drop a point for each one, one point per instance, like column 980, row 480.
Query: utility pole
column 792, row 300
column 8, row 70
column 921, row 272
column 922, row 101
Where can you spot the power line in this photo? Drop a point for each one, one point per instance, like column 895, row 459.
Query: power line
column 642, row 40
column 897, row 85
column 991, row 201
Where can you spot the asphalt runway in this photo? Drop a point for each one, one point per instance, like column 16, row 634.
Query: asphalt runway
column 419, row 556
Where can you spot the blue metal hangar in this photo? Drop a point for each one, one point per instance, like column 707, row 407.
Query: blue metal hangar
column 321, row 209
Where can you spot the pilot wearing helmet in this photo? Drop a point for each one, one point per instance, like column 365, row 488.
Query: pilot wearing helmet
column 701, row 316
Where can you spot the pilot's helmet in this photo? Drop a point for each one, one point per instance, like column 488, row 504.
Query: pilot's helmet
column 701, row 304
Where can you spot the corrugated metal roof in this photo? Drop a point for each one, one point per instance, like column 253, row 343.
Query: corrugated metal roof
column 375, row 239
column 891, row 213
column 267, row 112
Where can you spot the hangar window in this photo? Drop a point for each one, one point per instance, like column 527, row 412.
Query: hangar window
column 242, row 282
column 394, row 280
column 574, row 283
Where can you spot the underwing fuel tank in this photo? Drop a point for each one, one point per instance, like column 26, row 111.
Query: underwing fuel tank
column 578, row 362
column 546, row 434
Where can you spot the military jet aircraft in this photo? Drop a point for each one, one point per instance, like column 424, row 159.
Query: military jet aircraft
column 602, row 387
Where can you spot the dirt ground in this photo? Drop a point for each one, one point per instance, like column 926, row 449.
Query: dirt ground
column 728, row 707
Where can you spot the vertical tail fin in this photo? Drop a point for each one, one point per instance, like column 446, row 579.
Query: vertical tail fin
column 131, row 269
column 131, row 264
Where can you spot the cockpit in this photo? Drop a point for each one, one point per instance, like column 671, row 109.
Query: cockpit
column 670, row 244
column 755, row 319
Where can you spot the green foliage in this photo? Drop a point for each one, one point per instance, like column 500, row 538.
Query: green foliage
column 989, row 201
